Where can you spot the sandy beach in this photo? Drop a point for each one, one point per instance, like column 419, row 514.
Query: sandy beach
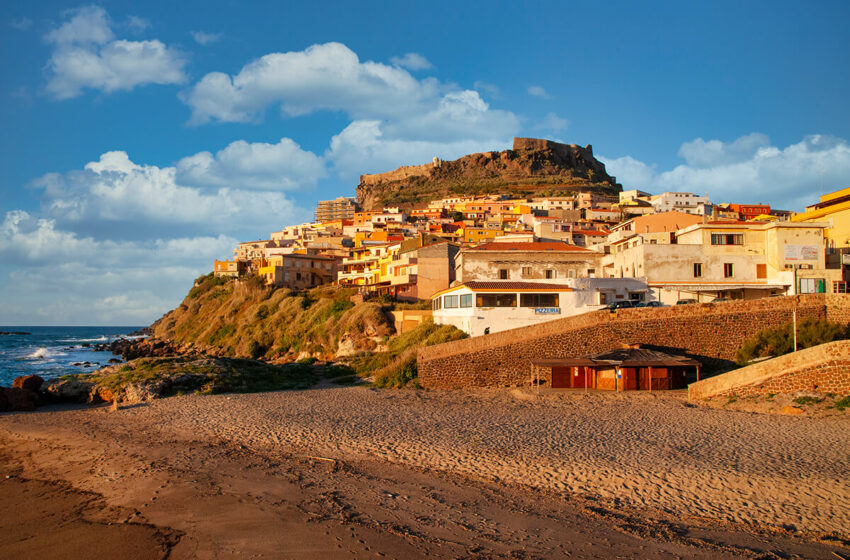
column 357, row 472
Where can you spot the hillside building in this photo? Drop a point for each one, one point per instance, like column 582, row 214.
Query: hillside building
column 732, row 260
column 522, row 262
column 342, row 208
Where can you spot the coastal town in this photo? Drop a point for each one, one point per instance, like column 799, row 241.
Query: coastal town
column 495, row 262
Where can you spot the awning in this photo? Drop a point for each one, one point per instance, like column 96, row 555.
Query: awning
column 718, row 287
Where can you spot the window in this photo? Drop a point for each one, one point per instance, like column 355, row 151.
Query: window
column 591, row 273
column 728, row 270
column 538, row 300
column 697, row 270
column 571, row 273
column 495, row 300
column 727, row 238
column 761, row 271
column 450, row 302
column 526, row 271
column 635, row 296
column 503, row 274
column 812, row 286
column 466, row 300
column 436, row 304
column 550, row 274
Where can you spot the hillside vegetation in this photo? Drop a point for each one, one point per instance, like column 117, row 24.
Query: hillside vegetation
column 245, row 319
column 780, row 340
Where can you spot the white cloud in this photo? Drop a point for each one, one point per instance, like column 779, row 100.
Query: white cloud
column 748, row 169
column 21, row 24
column 552, row 122
column 119, row 242
column 538, row 91
column 321, row 77
column 86, row 55
column 137, row 24
column 713, row 153
column 490, row 89
column 203, row 38
column 281, row 166
column 396, row 119
column 117, row 196
column 412, row 61
column 63, row 278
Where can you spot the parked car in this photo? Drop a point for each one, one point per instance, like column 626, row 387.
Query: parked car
column 649, row 304
column 685, row 301
column 618, row 305
column 720, row 299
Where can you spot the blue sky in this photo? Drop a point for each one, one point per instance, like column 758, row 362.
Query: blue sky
column 141, row 140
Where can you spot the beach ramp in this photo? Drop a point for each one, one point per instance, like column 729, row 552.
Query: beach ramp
column 822, row 369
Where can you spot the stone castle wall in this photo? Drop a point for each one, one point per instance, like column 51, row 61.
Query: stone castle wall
column 822, row 369
column 399, row 174
column 710, row 333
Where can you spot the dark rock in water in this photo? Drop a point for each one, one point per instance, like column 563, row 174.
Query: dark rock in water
column 114, row 361
column 132, row 349
column 28, row 382
column 11, row 333
column 15, row 399
column 85, row 345
column 146, row 331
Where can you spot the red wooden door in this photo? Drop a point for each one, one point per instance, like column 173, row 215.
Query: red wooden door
column 561, row 377
column 579, row 375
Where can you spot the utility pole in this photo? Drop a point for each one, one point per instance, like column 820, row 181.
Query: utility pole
column 795, row 330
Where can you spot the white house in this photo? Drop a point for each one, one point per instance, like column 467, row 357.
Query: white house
column 479, row 308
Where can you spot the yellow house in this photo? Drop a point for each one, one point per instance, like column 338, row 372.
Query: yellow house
column 476, row 235
column 833, row 208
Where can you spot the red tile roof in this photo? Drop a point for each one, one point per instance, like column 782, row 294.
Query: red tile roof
column 529, row 246
column 591, row 232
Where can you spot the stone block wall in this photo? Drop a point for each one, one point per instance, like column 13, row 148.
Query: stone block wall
column 821, row 369
column 710, row 333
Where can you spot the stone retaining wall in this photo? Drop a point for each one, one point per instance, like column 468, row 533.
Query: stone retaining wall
column 710, row 333
column 821, row 369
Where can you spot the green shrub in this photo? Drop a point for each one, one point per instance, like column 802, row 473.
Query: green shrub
column 807, row 400
column 780, row 340
column 843, row 403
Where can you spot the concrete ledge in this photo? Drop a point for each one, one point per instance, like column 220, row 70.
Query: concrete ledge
column 746, row 378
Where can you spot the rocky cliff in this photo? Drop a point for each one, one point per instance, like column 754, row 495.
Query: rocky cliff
column 532, row 167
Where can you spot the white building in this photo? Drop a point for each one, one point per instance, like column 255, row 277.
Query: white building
column 479, row 308
column 680, row 202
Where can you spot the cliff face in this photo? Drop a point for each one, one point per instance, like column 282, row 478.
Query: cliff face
column 533, row 166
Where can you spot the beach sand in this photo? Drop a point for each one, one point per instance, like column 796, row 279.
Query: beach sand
column 357, row 472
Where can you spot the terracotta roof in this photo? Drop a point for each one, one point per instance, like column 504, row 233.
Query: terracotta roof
column 590, row 232
column 511, row 286
column 529, row 246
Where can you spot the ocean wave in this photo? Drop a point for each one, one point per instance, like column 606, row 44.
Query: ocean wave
column 102, row 338
column 44, row 353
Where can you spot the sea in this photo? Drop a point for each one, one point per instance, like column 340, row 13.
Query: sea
column 54, row 351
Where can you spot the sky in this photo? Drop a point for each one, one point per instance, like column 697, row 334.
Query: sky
column 141, row 140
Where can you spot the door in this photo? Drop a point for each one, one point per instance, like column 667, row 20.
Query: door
column 579, row 375
column 561, row 377
column 630, row 379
